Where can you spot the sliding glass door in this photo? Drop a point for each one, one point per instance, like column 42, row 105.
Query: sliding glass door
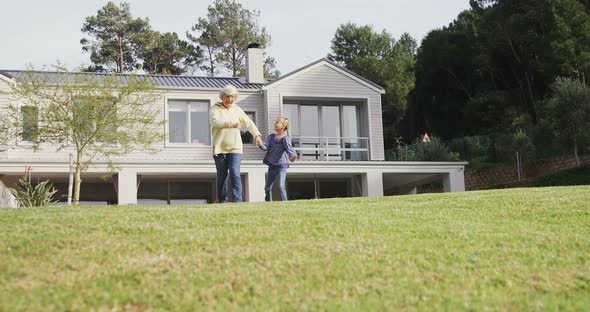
column 321, row 129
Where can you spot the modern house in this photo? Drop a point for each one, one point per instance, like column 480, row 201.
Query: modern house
column 336, row 128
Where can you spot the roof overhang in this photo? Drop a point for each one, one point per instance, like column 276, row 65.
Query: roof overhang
column 7, row 78
column 324, row 62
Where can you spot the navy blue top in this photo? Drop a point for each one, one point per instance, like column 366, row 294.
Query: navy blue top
column 278, row 151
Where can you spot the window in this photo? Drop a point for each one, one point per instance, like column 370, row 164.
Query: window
column 291, row 111
column 188, row 122
column 247, row 137
column 326, row 129
column 30, row 116
column 323, row 119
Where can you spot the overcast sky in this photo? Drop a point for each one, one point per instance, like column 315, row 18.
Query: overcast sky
column 44, row 31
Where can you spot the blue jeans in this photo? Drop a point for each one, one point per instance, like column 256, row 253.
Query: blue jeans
column 223, row 164
column 274, row 172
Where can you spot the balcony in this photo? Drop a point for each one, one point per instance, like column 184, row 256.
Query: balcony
column 331, row 148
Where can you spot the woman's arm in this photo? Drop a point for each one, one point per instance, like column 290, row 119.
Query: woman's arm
column 250, row 125
column 216, row 119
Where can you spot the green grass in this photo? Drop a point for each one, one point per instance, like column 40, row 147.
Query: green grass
column 573, row 176
column 515, row 249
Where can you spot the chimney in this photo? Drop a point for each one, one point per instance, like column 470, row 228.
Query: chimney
column 254, row 64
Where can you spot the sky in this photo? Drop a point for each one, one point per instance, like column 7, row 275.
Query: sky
column 42, row 32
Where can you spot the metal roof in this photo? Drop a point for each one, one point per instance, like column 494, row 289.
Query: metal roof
column 171, row 81
column 176, row 81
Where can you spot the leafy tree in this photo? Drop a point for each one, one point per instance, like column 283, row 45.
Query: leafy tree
column 383, row 60
column 225, row 34
column 490, row 68
column 89, row 115
column 167, row 54
column 569, row 109
column 116, row 39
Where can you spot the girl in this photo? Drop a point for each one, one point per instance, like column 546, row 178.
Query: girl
column 278, row 154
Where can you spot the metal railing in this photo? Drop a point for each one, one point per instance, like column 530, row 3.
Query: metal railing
column 331, row 148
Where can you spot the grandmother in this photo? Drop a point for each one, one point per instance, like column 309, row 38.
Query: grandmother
column 226, row 118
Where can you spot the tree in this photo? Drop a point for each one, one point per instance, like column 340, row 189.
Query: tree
column 167, row 54
column 383, row 60
column 569, row 110
column 116, row 38
column 225, row 35
column 89, row 115
column 491, row 67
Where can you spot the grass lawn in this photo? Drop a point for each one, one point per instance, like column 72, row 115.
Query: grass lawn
column 514, row 249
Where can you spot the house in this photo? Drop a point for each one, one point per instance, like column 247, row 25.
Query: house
column 336, row 128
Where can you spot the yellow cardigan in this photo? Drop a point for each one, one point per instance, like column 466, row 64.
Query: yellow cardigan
column 225, row 139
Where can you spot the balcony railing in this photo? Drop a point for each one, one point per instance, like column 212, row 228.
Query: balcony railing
column 331, row 148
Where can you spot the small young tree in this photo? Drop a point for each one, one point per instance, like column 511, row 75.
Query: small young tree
column 90, row 115
column 523, row 148
column 569, row 111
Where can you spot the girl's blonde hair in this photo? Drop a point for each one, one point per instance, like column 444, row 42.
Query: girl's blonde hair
column 285, row 123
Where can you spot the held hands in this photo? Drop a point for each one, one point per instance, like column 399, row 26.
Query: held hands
column 258, row 140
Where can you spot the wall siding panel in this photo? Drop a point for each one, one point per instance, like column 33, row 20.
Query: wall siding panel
column 248, row 101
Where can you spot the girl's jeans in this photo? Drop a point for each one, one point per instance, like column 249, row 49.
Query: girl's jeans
column 274, row 172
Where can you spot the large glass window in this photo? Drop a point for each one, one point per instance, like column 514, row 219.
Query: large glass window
column 330, row 121
column 323, row 119
column 324, row 129
column 188, row 122
column 291, row 111
column 310, row 114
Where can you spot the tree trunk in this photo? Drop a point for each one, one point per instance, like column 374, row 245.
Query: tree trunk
column 211, row 62
column 77, row 180
column 518, row 166
column 576, row 153
column 531, row 96
column 120, row 56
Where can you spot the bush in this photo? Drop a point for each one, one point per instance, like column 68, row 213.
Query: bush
column 472, row 147
column 435, row 150
column 28, row 195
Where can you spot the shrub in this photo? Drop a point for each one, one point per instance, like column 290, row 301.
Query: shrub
column 435, row 150
column 28, row 195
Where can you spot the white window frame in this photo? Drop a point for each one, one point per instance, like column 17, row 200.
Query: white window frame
column 208, row 101
column 255, row 113
column 22, row 116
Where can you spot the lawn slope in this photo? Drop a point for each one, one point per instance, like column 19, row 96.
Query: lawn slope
column 514, row 249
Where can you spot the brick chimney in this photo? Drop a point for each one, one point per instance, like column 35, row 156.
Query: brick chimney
column 254, row 64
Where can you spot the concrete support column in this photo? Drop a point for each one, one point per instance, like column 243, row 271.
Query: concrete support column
column 255, row 184
column 373, row 183
column 454, row 181
column 127, row 187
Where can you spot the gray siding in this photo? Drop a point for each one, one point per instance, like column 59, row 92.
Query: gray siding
column 248, row 101
column 324, row 81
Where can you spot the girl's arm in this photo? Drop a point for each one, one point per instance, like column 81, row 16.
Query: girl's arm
column 264, row 146
column 289, row 149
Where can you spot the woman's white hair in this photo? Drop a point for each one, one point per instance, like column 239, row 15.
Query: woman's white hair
column 228, row 90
